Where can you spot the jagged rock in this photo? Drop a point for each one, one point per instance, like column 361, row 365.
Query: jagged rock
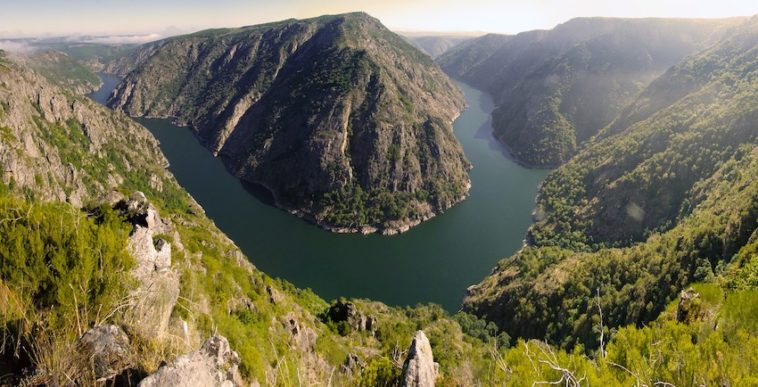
column 353, row 362
column 419, row 369
column 215, row 364
column 303, row 336
column 158, row 288
column 349, row 313
column 273, row 296
column 689, row 307
column 106, row 347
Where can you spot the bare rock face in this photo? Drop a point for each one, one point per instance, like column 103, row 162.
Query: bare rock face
column 66, row 147
column 419, row 369
column 355, row 319
column 106, row 347
column 214, row 364
column 158, row 288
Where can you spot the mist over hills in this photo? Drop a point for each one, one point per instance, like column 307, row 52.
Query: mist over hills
column 557, row 88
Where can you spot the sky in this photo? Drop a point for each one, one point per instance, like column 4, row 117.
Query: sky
column 146, row 19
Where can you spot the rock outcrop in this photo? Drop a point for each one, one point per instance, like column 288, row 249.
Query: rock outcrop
column 214, row 364
column 106, row 347
column 689, row 308
column 344, row 311
column 343, row 121
column 158, row 284
column 419, row 369
column 66, row 147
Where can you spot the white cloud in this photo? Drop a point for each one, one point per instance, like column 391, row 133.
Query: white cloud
column 15, row 46
column 122, row 39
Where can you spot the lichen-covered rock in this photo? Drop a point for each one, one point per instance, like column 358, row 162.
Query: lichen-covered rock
column 106, row 347
column 419, row 369
column 215, row 364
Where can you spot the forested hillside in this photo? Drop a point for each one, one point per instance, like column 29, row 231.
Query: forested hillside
column 641, row 268
column 676, row 193
column 342, row 120
column 555, row 89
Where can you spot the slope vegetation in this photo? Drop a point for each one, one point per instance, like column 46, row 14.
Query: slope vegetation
column 640, row 214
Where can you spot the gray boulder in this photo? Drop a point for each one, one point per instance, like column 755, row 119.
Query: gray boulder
column 106, row 347
column 214, row 364
column 419, row 369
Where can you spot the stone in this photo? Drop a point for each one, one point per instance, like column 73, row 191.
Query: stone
column 273, row 296
column 349, row 313
column 214, row 364
column 419, row 369
column 353, row 362
column 158, row 284
column 303, row 336
column 106, row 347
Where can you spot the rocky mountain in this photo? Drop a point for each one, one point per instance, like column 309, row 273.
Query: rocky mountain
column 555, row 89
column 65, row 147
column 98, row 57
column 342, row 120
column 434, row 45
column 109, row 271
column 111, row 274
column 61, row 69
column 667, row 196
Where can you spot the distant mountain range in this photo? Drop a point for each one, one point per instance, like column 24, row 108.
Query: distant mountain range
column 436, row 44
column 665, row 197
column 555, row 89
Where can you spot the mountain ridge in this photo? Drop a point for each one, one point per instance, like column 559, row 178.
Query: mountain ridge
column 555, row 89
column 315, row 110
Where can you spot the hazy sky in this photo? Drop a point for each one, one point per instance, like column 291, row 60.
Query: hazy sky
column 67, row 17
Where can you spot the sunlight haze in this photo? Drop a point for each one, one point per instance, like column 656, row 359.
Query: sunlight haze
column 57, row 18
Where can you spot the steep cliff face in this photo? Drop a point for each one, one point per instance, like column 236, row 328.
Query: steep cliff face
column 556, row 89
column 346, row 123
column 110, row 289
column 66, row 147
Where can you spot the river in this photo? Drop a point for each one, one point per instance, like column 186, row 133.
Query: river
column 433, row 262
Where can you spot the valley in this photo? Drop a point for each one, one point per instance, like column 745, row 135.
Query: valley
column 433, row 262
column 315, row 202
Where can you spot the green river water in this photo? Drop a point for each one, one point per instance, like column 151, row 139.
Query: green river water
column 433, row 262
